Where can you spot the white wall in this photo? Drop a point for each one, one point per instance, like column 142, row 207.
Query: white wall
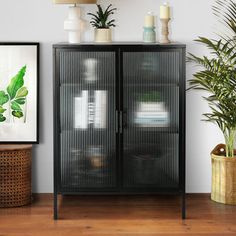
column 41, row 20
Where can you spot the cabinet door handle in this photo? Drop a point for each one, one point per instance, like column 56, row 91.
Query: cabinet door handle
column 125, row 120
column 117, row 121
column 121, row 122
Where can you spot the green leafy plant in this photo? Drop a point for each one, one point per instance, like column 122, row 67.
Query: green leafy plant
column 218, row 74
column 100, row 19
column 15, row 95
column 153, row 96
column 3, row 100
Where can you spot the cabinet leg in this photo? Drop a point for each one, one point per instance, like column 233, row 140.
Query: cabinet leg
column 55, row 207
column 183, row 206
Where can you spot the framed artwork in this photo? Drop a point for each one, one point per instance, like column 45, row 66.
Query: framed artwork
column 19, row 92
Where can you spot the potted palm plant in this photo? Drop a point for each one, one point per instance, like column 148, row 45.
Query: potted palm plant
column 102, row 24
column 217, row 76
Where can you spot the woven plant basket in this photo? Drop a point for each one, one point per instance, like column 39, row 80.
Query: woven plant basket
column 15, row 175
column 223, row 176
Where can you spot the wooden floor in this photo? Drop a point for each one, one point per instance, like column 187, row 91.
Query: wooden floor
column 120, row 215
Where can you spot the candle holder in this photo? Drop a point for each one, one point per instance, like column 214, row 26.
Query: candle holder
column 165, row 31
column 149, row 35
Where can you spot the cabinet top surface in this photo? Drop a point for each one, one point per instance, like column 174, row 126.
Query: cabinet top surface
column 69, row 45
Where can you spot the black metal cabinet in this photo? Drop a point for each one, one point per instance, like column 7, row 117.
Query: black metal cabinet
column 119, row 119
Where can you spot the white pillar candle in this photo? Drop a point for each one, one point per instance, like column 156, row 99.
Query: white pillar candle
column 149, row 20
column 165, row 11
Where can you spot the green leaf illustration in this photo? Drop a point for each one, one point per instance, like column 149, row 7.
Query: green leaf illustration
column 16, row 83
column 15, row 106
column 2, row 110
column 22, row 92
column 3, row 98
column 20, row 101
column 17, row 114
column 2, row 118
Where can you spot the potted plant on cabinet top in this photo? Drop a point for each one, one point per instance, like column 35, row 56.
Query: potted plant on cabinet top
column 102, row 24
column 218, row 77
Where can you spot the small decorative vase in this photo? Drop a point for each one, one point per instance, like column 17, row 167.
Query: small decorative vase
column 102, row 35
column 149, row 35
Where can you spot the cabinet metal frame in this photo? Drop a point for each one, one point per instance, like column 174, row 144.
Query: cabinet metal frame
column 119, row 49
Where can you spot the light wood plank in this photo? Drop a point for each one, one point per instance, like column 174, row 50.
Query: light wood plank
column 119, row 215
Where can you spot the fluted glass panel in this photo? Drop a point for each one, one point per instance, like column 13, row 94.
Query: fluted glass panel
column 87, row 120
column 151, row 119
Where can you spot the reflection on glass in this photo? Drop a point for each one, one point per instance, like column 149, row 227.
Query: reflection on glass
column 151, row 111
column 90, row 65
column 90, row 110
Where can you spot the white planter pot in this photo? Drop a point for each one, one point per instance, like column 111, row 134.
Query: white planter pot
column 102, row 35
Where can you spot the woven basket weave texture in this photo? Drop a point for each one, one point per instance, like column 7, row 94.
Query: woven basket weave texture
column 223, row 177
column 15, row 175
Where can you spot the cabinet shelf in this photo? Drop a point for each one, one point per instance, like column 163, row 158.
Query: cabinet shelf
column 88, row 131
column 133, row 84
column 87, row 84
column 160, row 84
column 171, row 130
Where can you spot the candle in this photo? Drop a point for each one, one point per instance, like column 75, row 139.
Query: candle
column 149, row 20
column 165, row 11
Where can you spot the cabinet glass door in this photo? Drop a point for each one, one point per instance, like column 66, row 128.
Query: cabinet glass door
column 88, row 120
column 150, row 119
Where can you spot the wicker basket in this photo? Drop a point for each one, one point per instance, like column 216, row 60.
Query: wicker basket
column 15, row 175
column 223, row 177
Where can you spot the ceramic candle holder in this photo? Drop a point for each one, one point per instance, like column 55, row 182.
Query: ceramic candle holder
column 165, row 31
column 149, row 35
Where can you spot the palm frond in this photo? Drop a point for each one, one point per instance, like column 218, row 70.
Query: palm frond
column 218, row 74
column 226, row 12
